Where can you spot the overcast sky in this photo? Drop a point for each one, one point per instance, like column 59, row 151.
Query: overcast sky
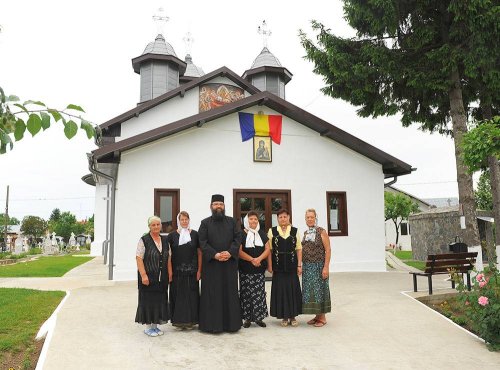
column 63, row 52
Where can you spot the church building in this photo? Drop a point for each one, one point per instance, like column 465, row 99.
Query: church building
column 195, row 134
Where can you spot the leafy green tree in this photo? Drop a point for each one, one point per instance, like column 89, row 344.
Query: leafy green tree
column 484, row 197
column 17, row 117
column 397, row 208
column 428, row 61
column 12, row 220
column 67, row 224
column 89, row 226
column 34, row 226
column 55, row 215
column 481, row 150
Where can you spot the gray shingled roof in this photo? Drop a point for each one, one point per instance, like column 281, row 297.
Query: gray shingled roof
column 192, row 70
column 159, row 46
column 266, row 59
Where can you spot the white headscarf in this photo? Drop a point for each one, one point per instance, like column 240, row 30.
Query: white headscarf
column 253, row 237
column 184, row 232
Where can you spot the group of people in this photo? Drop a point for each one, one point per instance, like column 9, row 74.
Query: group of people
column 216, row 254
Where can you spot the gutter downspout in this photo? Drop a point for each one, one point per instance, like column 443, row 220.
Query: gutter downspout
column 105, row 244
column 393, row 181
column 111, row 241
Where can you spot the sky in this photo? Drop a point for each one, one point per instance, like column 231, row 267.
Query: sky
column 77, row 52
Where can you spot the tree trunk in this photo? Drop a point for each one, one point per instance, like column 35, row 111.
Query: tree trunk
column 495, row 191
column 464, row 179
column 397, row 235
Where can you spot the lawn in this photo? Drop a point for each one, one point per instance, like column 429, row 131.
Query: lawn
column 22, row 313
column 43, row 267
column 407, row 258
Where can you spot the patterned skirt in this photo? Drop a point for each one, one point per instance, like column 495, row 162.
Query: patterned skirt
column 315, row 290
column 253, row 297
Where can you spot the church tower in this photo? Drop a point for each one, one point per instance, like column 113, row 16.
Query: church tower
column 192, row 70
column 158, row 66
column 267, row 73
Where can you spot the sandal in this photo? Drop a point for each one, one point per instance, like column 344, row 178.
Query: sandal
column 319, row 323
column 284, row 323
column 294, row 323
column 312, row 321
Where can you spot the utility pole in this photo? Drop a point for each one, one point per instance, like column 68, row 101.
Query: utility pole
column 6, row 218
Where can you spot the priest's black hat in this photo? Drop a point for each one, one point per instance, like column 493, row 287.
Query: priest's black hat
column 217, row 198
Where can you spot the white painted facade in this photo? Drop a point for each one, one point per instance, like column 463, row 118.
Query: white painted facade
column 212, row 159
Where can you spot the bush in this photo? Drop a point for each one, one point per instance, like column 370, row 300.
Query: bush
column 483, row 305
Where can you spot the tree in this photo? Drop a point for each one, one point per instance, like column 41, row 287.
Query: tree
column 89, row 226
column 426, row 60
column 55, row 215
column 481, row 150
column 66, row 225
column 484, row 198
column 397, row 208
column 12, row 220
column 16, row 117
column 34, row 226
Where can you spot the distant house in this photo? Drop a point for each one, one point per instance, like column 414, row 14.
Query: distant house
column 404, row 240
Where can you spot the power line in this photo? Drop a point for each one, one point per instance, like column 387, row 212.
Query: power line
column 427, row 183
column 43, row 199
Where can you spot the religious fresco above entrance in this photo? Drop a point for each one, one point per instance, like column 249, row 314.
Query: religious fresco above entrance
column 216, row 95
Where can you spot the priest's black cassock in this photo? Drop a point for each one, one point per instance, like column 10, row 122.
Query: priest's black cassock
column 219, row 301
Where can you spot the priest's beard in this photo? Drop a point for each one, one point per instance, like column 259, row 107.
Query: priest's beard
column 218, row 214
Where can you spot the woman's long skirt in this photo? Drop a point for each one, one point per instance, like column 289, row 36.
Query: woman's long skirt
column 253, row 297
column 315, row 290
column 286, row 296
column 152, row 307
column 184, row 300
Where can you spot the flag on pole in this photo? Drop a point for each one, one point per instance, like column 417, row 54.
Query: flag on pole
column 260, row 125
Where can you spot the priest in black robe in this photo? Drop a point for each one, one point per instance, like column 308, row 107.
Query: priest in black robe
column 220, row 240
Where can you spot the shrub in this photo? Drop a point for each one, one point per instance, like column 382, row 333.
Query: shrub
column 483, row 304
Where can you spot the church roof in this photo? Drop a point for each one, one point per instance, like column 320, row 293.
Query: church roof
column 159, row 46
column 266, row 59
column 192, row 70
column 391, row 166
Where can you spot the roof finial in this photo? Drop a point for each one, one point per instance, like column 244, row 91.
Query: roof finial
column 262, row 30
column 160, row 18
column 188, row 42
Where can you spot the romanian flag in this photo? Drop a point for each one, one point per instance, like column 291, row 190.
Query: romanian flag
column 260, row 125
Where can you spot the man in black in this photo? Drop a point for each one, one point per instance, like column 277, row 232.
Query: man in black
column 220, row 241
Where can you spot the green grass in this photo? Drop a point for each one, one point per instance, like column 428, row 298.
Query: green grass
column 43, row 267
column 22, row 313
column 407, row 258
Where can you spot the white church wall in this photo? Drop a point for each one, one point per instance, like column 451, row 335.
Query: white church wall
column 212, row 159
column 99, row 220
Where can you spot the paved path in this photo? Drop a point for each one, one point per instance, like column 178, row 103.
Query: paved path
column 373, row 326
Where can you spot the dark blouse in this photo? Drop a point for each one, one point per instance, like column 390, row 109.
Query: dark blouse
column 246, row 266
column 185, row 256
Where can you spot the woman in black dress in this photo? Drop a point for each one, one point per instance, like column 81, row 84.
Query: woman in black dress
column 252, row 266
column 185, row 267
column 152, row 279
column 286, row 256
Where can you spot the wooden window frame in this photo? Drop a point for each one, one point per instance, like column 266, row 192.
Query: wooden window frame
column 342, row 195
column 236, row 192
column 175, row 193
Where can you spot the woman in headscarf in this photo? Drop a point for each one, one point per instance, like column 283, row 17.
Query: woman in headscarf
column 152, row 276
column 316, row 254
column 286, row 256
column 252, row 266
column 185, row 267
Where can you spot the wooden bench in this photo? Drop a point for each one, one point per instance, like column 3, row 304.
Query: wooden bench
column 436, row 264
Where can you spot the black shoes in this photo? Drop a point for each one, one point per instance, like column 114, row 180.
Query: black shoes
column 262, row 324
column 246, row 324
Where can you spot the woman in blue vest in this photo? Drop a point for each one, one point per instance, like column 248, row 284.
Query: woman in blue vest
column 253, row 254
column 152, row 276
column 286, row 266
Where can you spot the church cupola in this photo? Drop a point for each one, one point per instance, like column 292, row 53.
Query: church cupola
column 267, row 73
column 192, row 70
column 159, row 67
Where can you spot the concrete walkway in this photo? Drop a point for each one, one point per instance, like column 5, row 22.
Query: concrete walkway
column 372, row 326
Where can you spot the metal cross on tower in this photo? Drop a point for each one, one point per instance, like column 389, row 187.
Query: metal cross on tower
column 262, row 30
column 188, row 42
column 160, row 19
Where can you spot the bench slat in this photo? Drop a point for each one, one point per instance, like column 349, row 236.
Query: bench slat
column 456, row 262
column 445, row 269
column 445, row 256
